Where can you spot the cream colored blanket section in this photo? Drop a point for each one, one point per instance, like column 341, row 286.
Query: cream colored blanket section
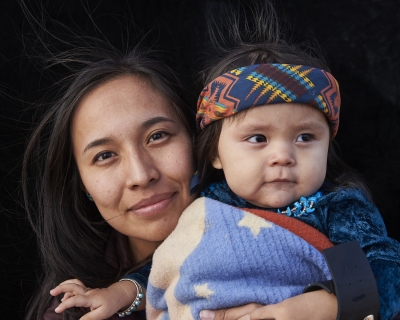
column 166, row 262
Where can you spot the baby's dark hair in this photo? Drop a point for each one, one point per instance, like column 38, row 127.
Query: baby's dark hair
column 262, row 43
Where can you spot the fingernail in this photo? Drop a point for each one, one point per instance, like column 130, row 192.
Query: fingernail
column 207, row 314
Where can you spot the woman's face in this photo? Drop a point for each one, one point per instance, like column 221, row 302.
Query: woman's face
column 135, row 159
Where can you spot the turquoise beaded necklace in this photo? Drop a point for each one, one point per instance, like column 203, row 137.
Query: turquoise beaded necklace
column 302, row 207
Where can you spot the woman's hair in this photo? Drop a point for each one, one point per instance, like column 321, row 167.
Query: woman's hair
column 72, row 234
column 257, row 40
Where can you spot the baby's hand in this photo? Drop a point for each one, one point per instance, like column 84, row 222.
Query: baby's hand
column 103, row 303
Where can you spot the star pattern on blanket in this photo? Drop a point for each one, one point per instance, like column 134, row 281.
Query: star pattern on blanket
column 202, row 291
column 254, row 223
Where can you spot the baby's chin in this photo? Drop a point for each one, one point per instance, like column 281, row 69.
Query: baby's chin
column 278, row 201
column 273, row 204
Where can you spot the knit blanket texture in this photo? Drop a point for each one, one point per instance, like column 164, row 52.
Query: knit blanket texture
column 221, row 256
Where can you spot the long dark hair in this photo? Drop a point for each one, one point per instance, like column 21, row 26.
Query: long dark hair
column 71, row 232
column 257, row 39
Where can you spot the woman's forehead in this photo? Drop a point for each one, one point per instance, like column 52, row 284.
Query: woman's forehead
column 128, row 94
column 122, row 104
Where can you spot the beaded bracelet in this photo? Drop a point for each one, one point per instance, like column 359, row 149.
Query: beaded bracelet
column 136, row 303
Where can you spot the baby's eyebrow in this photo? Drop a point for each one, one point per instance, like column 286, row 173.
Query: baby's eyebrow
column 310, row 125
column 304, row 125
column 254, row 126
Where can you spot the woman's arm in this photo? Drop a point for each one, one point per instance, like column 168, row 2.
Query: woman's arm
column 314, row 305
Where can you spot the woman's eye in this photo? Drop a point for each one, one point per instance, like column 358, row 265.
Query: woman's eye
column 305, row 137
column 104, row 156
column 257, row 139
column 157, row 136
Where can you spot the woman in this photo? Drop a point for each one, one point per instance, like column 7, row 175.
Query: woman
column 113, row 154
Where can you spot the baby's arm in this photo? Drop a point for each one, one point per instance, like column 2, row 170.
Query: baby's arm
column 103, row 303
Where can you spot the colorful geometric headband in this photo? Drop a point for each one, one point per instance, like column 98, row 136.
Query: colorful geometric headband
column 262, row 84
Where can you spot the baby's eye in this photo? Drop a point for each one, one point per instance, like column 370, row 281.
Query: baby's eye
column 104, row 156
column 305, row 137
column 157, row 136
column 257, row 138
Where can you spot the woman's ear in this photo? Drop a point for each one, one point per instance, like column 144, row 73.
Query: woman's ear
column 216, row 163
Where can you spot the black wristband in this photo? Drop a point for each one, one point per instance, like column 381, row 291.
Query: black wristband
column 353, row 282
column 326, row 285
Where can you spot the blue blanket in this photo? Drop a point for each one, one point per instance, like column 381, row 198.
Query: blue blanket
column 220, row 256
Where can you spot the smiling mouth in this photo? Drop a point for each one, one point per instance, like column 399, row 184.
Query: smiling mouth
column 152, row 206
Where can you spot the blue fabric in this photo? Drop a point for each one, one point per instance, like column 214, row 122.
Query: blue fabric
column 141, row 275
column 220, row 256
column 343, row 216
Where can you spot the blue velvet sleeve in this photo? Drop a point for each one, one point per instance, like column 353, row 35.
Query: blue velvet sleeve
column 346, row 215
column 387, row 276
column 141, row 275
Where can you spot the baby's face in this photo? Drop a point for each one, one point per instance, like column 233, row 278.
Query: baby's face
column 276, row 154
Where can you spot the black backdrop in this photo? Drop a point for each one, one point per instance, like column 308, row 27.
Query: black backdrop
column 361, row 39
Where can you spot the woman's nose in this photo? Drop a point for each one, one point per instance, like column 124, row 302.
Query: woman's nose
column 140, row 170
column 281, row 154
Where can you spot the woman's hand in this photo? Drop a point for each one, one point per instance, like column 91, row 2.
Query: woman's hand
column 103, row 303
column 317, row 305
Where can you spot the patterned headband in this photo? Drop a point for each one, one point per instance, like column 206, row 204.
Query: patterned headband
column 262, row 84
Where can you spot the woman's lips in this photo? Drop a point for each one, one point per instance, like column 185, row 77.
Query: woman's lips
column 152, row 206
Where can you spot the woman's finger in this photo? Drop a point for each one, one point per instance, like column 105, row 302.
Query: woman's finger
column 69, row 287
column 75, row 281
column 75, row 301
column 229, row 314
column 67, row 295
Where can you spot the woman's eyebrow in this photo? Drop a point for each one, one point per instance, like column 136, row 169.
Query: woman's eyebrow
column 146, row 124
column 96, row 143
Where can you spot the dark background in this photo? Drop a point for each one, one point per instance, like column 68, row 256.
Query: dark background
column 360, row 38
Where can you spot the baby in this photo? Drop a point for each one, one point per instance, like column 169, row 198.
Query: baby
column 257, row 234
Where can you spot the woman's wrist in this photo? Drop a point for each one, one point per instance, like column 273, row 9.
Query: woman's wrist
column 135, row 303
column 126, row 293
